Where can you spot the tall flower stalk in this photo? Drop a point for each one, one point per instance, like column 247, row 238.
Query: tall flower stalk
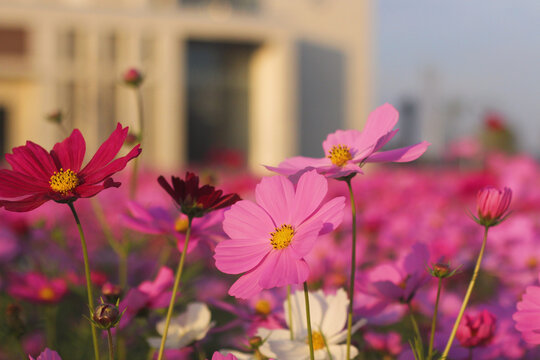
column 308, row 323
column 175, row 290
column 134, row 79
column 353, row 268
column 193, row 201
column 492, row 209
column 38, row 176
column 88, row 280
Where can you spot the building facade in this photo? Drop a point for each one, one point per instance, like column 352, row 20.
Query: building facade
column 268, row 78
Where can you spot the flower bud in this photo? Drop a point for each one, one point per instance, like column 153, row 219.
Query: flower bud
column 106, row 316
column 55, row 117
column 442, row 270
column 111, row 292
column 133, row 77
column 476, row 331
column 492, row 205
column 255, row 342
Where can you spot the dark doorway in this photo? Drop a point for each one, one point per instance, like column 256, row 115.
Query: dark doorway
column 217, row 99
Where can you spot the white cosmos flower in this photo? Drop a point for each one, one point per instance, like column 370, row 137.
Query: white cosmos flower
column 328, row 320
column 190, row 326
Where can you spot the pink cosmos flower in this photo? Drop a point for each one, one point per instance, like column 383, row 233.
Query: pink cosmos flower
column 218, row 356
column 476, row 330
column 527, row 316
column 36, row 288
column 389, row 342
column 269, row 239
column 149, row 294
column 39, row 176
column 47, row 354
column 399, row 282
column 492, row 205
column 347, row 150
column 158, row 220
column 260, row 311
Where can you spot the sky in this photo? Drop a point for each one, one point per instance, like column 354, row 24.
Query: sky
column 485, row 54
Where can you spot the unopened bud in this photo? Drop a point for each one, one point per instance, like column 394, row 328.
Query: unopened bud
column 442, row 270
column 133, row 77
column 55, row 117
column 131, row 139
column 106, row 316
column 255, row 342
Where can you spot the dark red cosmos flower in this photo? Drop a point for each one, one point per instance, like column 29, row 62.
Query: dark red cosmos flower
column 39, row 176
column 196, row 201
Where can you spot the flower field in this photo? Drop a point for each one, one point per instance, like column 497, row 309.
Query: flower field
column 440, row 260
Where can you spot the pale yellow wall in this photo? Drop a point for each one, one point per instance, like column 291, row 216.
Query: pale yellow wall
column 276, row 28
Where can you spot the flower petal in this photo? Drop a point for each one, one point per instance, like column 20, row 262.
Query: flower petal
column 247, row 285
column 349, row 138
column 298, row 163
column 281, row 268
column 275, row 194
column 32, row 160
column 99, row 174
column 70, row 152
column 380, row 121
column 26, row 204
column 236, row 256
column 107, row 151
column 405, row 154
column 335, row 316
column 246, row 220
column 310, row 191
column 14, row 184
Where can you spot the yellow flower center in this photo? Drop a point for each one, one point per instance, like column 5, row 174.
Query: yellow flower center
column 282, row 237
column 339, row 155
column 532, row 263
column 63, row 181
column 318, row 340
column 181, row 224
column 46, row 293
column 263, row 307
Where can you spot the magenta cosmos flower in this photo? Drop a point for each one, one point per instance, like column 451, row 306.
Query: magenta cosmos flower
column 476, row 330
column 527, row 316
column 347, row 150
column 269, row 239
column 39, row 176
column 36, row 288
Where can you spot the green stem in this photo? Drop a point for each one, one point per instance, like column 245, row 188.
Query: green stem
column 88, row 280
column 20, row 348
column 308, row 321
column 111, row 348
column 467, row 296
column 175, row 289
column 434, row 320
column 289, row 308
column 123, row 269
column 50, row 325
column 413, row 321
column 353, row 270
column 134, row 174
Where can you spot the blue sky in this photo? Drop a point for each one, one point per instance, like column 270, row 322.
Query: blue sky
column 486, row 54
